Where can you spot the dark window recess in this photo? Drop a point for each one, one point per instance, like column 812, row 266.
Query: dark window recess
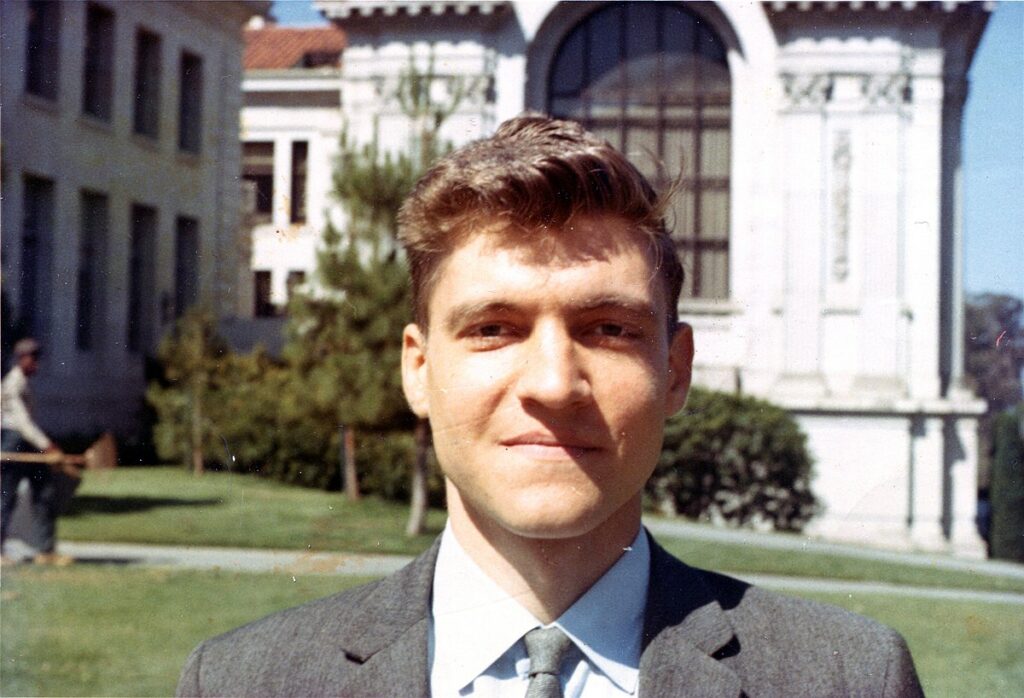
column 262, row 305
column 190, row 105
column 295, row 278
column 42, row 48
column 321, row 59
column 258, row 177
column 37, row 241
column 653, row 79
column 98, row 71
column 147, row 84
column 300, row 159
column 92, row 255
column 142, row 301
column 186, row 265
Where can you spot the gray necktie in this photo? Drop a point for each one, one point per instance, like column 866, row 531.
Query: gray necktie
column 546, row 648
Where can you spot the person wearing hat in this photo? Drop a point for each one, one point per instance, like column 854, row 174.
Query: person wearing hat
column 21, row 434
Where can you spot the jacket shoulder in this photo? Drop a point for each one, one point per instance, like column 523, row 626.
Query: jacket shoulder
column 271, row 651
column 820, row 647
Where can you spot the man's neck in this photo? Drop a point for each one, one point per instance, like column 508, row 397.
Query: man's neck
column 546, row 575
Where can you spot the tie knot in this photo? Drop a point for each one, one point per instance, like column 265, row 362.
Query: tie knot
column 546, row 648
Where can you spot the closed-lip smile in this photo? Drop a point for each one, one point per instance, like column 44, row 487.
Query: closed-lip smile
column 542, row 444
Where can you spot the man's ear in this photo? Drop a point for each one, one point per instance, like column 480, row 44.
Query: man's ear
column 414, row 370
column 680, row 368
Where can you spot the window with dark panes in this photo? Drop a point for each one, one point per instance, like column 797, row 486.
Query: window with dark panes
column 186, row 265
column 98, row 62
column 42, row 48
column 295, row 279
column 190, row 103
column 147, row 83
column 258, row 175
column 142, row 278
column 92, row 256
column 37, row 246
column 300, row 158
column 262, row 304
column 653, row 79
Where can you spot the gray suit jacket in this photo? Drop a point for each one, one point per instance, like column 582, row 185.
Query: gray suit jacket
column 705, row 634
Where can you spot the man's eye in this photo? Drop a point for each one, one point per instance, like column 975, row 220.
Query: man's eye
column 609, row 329
column 490, row 331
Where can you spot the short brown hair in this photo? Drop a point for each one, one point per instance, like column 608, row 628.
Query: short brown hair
column 535, row 173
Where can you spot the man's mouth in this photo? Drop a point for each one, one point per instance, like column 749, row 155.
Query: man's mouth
column 543, row 446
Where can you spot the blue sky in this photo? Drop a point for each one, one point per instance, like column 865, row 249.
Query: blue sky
column 993, row 149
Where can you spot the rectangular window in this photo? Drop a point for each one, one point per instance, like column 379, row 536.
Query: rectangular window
column 263, row 306
column 142, row 278
column 147, row 84
column 295, row 278
column 190, row 103
column 98, row 72
column 37, row 255
column 42, row 51
column 186, row 265
column 300, row 156
column 92, row 255
column 258, row 176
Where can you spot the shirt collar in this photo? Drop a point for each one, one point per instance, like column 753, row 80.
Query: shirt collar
column 475, row 621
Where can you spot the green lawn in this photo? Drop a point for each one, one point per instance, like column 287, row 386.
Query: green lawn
column 91, row 630
column 169, row 506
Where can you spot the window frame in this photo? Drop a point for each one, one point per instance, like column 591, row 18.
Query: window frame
column 98, row 50
column 708, row 103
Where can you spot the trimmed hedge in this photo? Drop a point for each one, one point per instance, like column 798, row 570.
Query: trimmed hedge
column 1007, row 486
column 734, row 459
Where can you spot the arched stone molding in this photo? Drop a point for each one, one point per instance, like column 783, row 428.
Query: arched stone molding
column 566, row 15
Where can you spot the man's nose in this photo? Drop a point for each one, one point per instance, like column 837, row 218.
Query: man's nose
column 552, row 373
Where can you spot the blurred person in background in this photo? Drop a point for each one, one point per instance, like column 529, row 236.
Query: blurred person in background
column 21, row 434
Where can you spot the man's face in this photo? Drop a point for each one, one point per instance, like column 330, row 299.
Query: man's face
column 29, row 363
column 547, row 375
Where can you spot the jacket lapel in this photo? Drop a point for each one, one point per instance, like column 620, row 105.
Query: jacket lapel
column 686, row 634
column 388, row 641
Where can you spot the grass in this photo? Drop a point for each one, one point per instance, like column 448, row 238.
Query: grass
column 168, row 506
column 92, row 630
column 105, row 630
column 960, row 648
column 739, row 558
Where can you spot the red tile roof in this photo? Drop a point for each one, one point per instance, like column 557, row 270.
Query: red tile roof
column 277, row 48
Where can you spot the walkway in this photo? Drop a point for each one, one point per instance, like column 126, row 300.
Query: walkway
column 308, row 562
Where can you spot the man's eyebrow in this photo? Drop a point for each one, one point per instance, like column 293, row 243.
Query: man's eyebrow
column 462, row 314
column 637, row 307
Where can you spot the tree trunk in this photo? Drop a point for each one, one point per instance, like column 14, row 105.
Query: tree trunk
column 351, row 476
column 418, row 501
column 198, row 466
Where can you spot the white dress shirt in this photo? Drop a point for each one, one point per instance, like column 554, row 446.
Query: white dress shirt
column 16, row 407
column 476, row 645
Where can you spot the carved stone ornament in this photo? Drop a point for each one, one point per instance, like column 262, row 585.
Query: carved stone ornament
column 841, row 161
column 886, row 90
column 806, row 90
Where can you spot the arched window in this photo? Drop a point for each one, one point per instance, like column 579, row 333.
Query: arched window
column 652, row 79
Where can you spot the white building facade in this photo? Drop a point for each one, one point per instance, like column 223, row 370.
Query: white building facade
column 818, row 217
column 121, row 195
column 291, row 130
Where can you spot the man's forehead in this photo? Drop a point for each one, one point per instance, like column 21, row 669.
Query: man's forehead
column 581, row 239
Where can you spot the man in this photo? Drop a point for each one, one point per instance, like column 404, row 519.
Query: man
column 547, row 356
column 21, row 434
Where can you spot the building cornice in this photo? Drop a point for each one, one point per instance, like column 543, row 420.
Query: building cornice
column 869, row 5
column 366, row 9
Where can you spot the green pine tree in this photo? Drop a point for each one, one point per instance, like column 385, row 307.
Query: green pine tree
column 345, row 332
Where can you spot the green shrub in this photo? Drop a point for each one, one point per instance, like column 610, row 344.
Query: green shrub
column 734, row 459
column 1007, row 486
